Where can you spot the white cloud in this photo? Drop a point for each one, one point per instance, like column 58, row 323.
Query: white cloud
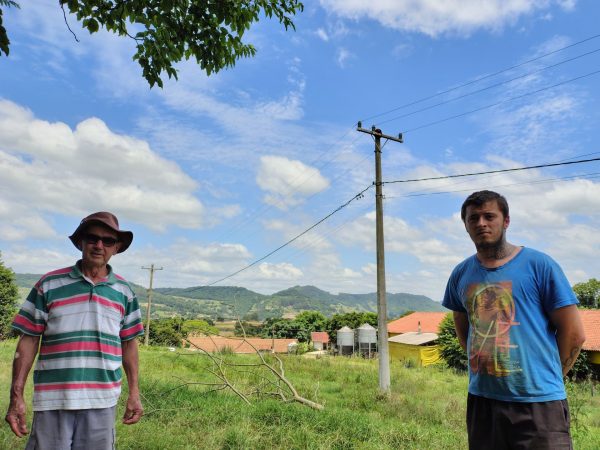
column 434, row 17
column 322, row 34
column 55, row 169
column 342, row 57
column 281, row 271
column 287, row 181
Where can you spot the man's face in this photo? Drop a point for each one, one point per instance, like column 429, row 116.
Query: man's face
column 98, row 245
column 486, row 225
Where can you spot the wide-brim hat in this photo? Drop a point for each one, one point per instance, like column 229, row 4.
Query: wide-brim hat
column 108, row 220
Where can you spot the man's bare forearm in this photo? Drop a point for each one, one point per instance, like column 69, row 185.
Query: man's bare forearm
column 570, row 335
column 25, row 354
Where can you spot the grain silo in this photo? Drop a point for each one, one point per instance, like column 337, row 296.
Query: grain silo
column 367, row 340
column 345, row 341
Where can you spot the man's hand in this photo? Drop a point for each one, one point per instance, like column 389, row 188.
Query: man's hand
column 15, row 416
column 133, row 410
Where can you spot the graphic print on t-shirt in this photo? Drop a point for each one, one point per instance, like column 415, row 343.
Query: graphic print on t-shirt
column 491, row 313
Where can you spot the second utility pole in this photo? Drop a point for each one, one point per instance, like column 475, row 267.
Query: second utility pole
column 151, row 269
column 382, row 332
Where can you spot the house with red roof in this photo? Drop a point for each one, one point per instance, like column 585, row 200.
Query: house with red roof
column 420, row 321
column 214, row 344
column 320, row 340
column 591, row 327
column 412, row 338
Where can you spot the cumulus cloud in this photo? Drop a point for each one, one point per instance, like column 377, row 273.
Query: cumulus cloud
column 433, row 17
column 287, row 181
column 53, row 168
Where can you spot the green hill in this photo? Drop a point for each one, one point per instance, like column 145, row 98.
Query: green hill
column 230, row 302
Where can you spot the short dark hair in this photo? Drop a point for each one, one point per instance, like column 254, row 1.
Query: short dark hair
column 479, row 198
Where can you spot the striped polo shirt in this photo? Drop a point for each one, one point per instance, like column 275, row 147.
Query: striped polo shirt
column 82, row 325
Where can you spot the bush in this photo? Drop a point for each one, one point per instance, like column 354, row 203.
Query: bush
column 9, row 297
column 582, row 369
column 450, row 348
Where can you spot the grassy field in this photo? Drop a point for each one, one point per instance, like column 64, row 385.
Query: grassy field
column 425, row 411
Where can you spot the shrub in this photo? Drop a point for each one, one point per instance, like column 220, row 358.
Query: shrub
column 450, row 348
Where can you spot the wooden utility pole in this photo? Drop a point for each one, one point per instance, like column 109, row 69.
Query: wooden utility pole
column 382, row 333
column 151, row 269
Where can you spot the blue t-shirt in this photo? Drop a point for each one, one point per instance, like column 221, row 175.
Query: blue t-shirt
column 512, row 349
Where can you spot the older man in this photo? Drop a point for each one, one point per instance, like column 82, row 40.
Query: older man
column 87, row 318
column 516, row 316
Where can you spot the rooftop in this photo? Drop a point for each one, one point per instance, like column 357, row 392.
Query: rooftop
column 430, row 322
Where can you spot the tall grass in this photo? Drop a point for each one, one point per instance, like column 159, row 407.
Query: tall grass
column 425, row 411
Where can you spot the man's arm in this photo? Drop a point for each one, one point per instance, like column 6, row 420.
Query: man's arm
column 461, row 325
column 25, row 353
column 569, row 335
column 133, row 409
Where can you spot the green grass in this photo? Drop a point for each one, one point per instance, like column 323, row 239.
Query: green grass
column 426, row 408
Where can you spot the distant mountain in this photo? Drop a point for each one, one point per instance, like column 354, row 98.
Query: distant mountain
column 233, row 301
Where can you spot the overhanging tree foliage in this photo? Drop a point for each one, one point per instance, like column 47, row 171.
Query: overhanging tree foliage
column 168, row 31
column 9, row 297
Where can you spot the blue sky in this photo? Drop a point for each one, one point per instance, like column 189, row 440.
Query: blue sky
column 213, row 173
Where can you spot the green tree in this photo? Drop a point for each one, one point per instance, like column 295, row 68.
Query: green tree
column 9, row 297
column 588, row 293
column 450, row 348
column 166, row 332
column 351, row 320
column 197, row 326
column 168, row 31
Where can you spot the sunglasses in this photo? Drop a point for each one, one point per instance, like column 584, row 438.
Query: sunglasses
column 107, row 241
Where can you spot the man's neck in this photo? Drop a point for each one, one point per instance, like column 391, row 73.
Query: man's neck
column 497, row 255
column 94, row 273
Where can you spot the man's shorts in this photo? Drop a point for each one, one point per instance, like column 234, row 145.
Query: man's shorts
column 81, row 429
column 497, row 425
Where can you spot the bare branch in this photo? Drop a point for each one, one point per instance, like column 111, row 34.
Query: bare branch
column 62, row 6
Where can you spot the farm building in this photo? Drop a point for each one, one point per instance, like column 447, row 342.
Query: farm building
column 320, row 340
column 426, row 322
column 249, row 345
column 591, row 326
column 413, row 337
column 420, row 348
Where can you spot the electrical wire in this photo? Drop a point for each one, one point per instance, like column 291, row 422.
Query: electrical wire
column 484, row 77
column 356, row 197
column 515, row 169
column 537, row 91
column 468, row 94
column 586, row 176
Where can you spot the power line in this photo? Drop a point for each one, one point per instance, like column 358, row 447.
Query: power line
column 356, row 197
column 500, row 102
column 478, row 91
column 586, row 176
column 539, row 166
column 480, row 79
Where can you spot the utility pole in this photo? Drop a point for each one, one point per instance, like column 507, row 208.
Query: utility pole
column 382, row 333
column 151, row 269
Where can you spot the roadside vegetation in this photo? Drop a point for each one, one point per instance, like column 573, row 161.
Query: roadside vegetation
column 426, row 408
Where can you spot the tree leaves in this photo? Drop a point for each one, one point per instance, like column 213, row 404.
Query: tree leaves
column 168, row 31
column 4, row 41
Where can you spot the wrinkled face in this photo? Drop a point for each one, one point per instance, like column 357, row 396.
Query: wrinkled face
column 486, row 224
column 98, row 245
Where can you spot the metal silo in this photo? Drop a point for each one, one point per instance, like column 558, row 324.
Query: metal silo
column 345, row 341
column 367, row 339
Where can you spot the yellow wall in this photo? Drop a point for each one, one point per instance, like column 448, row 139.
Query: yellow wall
column 594, row 357
column 420, row 355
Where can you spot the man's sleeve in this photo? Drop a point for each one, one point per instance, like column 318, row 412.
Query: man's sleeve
column 33, row 315
column 132, row 322
column 452, row 299
column 557, row 292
